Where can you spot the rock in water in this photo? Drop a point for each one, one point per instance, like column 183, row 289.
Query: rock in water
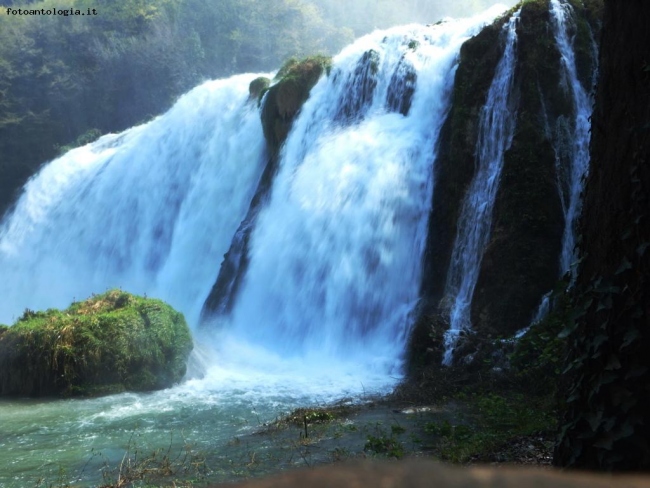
column 107, row 344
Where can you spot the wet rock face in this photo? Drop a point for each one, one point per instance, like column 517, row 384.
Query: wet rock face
column 521, row 260
column 455, row 164
column 401, row 88
column 359, row 88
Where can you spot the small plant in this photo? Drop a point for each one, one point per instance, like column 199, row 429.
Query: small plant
column 493, row 422
column 385, row 444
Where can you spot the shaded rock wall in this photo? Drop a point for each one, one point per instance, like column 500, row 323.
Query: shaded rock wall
column 454, row 168
column 521, row 261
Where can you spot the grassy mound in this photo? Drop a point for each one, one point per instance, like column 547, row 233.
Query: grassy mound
column 109, row 343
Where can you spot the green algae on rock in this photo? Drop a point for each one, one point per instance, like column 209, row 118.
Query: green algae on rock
column 285, row 98
column 258, row 88
column 109, row 343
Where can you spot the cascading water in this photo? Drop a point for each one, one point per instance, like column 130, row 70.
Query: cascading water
column 570, row 183
column 496, row 127
column 151, row 210
column 571, row 143
column 335, row 259
column 334, row 269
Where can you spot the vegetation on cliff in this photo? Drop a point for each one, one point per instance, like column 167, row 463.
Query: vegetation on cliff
column 106, row 344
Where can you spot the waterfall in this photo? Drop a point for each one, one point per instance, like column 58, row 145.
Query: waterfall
column 496, row 128
column 577, row 164
column 335, row 257
column 151, row 210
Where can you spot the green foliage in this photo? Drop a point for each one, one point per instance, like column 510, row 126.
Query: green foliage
column 108, row 343
column 87, row 137
column 286, row 97
column 385, row 444
column 493, row 421
column 605, row 426
column 312, row 416
column 537, row 359
column 299, row 69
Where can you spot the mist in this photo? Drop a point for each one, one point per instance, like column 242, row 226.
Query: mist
column 364, row 16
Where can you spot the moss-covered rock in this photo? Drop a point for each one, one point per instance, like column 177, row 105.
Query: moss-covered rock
column 258, row 87
column 285, row 98
column 109, row 343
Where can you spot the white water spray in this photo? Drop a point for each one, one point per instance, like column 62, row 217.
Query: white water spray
column 151, row 210
column 336, row 257
column 496, row 128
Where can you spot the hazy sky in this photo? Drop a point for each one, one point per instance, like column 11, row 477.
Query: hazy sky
column 363, row 16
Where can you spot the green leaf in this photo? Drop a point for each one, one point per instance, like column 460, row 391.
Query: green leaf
column 625, row 265
column 568, row 330
column 630, row 336
column 594, row 419
column 605, row 304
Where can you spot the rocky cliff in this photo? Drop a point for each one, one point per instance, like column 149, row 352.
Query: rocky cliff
column 521, row 261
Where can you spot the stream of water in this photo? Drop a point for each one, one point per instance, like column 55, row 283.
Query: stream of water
column 496, row 127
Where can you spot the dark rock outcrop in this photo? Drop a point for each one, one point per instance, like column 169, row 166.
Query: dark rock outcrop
column 285, row 98
column 454, row 167
column 521, row 262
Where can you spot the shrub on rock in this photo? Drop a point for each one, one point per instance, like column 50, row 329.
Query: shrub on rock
column 109, row 343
